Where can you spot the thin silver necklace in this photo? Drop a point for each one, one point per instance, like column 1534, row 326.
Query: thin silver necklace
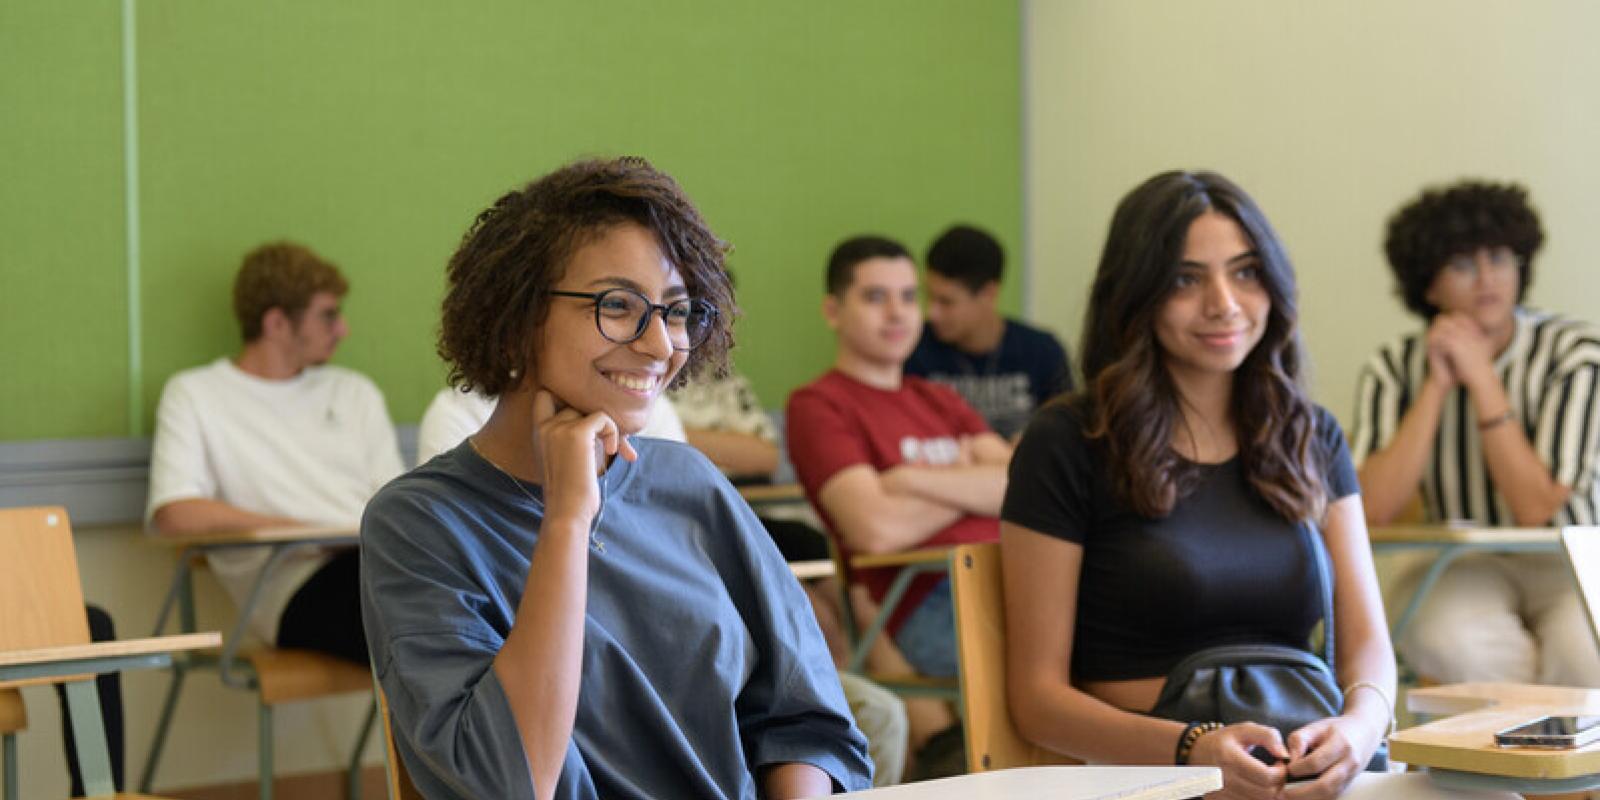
column 594, row 540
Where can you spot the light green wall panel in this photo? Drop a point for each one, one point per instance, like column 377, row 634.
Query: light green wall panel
column 374, row 131
column 63, row 296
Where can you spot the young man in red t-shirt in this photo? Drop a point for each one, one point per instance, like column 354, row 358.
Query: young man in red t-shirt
column 893, row 462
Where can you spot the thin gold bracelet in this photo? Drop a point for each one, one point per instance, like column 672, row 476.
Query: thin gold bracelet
column 1496, row 420
column 1387, row 703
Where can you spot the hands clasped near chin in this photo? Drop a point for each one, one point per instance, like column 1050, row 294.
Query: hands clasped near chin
column 1458, row 349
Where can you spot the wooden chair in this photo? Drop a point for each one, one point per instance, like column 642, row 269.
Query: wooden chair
column 44, row 637
column 276, row 675
column 992, row 741
column 397, row 778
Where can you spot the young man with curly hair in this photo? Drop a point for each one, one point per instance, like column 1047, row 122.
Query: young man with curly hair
column 1490, row 412
column 276, row 436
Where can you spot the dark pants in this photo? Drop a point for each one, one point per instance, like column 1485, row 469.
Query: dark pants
column 797, row 541
column 109, row 687
column 325, row 613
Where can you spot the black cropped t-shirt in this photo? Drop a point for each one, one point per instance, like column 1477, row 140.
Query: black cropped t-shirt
column 1222, row 568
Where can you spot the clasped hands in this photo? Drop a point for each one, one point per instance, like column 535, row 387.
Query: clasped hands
column 1316, row 762
column 1459, row 351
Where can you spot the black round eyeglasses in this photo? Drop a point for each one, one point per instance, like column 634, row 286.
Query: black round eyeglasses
column 623, row 314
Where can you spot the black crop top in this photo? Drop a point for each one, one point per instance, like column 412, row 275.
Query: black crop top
column 1222, row 568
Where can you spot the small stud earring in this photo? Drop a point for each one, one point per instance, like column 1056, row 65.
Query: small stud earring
column 515, row 373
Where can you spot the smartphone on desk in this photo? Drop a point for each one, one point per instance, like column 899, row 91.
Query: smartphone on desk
column 1554, row 731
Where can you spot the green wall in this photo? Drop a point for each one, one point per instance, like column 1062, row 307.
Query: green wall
column 374, row 131
column 63, row 285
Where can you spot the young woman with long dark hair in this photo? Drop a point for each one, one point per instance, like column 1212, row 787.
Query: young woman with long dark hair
column 1170, row 507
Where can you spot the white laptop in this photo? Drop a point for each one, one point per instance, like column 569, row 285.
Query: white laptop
column 1582, row 546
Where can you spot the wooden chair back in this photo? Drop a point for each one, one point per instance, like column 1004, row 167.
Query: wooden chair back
column 992, row 741
column 41, row 600
column 395, row 775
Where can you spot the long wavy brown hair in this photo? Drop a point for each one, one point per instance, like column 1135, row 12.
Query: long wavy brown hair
column 1132, row 408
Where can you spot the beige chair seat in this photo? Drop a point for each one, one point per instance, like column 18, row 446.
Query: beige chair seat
column 286, row 676
column 13, row 716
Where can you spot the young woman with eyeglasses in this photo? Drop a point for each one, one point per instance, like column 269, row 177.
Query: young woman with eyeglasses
column 555, row 610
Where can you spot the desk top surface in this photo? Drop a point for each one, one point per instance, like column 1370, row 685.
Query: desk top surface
column 113, row 649
column 1462, row 534
column 1465, row 741
column 1061, row 783
column 773, row 493
column 811, row 570
column 273, row 535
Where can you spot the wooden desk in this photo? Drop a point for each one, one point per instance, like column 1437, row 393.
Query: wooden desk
column 1451, row 542
column 234, row 669
column 811, row 570
column 285, row 534
column 772, row 494
column 1450, row 535
column 281, row 540
column 1460, row 750
column 1060, row 783
column 113, row 649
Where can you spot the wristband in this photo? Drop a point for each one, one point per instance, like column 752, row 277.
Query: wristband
column 1494, row 422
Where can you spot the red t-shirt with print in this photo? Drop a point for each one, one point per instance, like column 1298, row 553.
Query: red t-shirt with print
column 837, row 421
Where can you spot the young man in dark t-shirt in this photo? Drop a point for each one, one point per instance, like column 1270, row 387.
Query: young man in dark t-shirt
column 1000, row 366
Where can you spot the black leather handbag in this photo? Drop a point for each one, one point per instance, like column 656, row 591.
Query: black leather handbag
column 1281, row 687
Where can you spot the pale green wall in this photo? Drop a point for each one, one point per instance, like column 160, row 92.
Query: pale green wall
column 63, row 291
column 374, row 131
column 1331, row 115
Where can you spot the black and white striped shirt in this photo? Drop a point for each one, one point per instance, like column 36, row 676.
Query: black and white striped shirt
column 1551, row 373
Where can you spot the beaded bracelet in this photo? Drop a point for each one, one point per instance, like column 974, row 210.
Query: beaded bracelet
column 1191, row 734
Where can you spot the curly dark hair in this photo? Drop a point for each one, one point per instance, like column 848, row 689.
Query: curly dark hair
column 1129, row 402
column 1445, row 222
column 281, row 275
column 500, row 278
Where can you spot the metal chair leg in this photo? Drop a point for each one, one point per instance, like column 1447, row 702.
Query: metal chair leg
column 353, row 774
column 264, row 746
column 168, row 708
column 13, row 781
column 89, row 734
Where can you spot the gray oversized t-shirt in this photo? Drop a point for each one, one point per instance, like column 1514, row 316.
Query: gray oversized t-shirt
column 702, row 661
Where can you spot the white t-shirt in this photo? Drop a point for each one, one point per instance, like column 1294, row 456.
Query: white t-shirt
column 313, row 448
column 455, row 415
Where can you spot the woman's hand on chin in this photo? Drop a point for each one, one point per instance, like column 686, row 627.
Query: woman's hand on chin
column 571, row 447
